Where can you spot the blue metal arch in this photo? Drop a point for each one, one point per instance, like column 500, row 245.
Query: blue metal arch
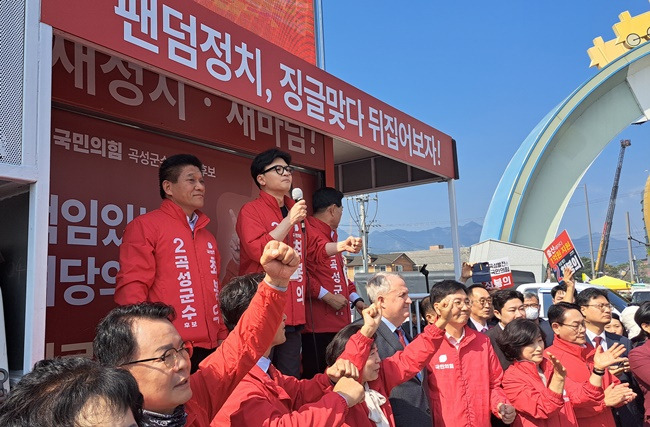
column 533, row 192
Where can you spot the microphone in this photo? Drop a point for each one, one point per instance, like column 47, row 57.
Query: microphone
column 296, row 195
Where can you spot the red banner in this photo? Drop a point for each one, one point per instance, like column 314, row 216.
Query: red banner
column 561, row 253
column 103, row 175
column 108, row 85
column 288, row 23
column 187, row 40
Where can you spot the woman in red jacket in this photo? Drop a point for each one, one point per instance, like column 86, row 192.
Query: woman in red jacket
column 356, row 344
column 538, row 387
column 640, row 356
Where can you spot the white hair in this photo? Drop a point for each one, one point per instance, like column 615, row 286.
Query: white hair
column 379, row 285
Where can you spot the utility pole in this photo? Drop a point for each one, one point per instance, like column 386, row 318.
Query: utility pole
column 363, row 229
column 632, row 275
column 591, row 243
column 362, row 221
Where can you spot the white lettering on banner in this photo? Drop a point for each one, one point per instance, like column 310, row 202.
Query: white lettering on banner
column 386, row 129
column 84, row 60
column 226, row 57
column 163, row 89
column 84, row 349
column 148, row 19
column 83, row 273
column 126, row 91
column 183, row 40
column 221, row 49
column 84, row 224
column 288, row 136
column 87, row 144
column 75, row 211
column 120, row 89
column 339, row 106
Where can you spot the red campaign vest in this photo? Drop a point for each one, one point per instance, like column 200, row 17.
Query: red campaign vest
column 162, row 260
column 578, row 362
column 254, row 222
column 536, row 404
column 331, row 275
column 465, row 385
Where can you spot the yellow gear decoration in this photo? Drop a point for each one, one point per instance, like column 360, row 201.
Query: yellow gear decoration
column 631, row 31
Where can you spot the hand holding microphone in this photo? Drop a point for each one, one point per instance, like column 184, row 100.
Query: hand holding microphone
column 298, row 212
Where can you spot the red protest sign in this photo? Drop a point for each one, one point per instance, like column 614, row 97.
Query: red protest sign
column 561, row 253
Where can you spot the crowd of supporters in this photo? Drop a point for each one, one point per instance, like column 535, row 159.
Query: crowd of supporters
column 275, row 346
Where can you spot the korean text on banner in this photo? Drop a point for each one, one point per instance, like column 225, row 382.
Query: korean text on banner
column 197, row 46
column 500, row 274
column 561, row 253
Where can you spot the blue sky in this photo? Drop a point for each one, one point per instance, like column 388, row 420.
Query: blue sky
column 485, row 73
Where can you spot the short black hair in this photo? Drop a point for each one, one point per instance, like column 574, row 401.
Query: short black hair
column 426, row 307
column 470, row 290
column 443, row 288
column 585, row 296
column 171, row 168
column 502, row 296
column 236, row 296
column 325, row 197
column 265, row 158
column 641, row 316
column 557, row 311
column 114, row 343
column 556, row 288
column 516, row 335
column 57, row 391
column 336, row 347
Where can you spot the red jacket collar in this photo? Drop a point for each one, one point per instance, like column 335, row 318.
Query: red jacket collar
column 577, row 350
column 470, row 335
column 264, row 378
column 323, row 227
column 273, row 202
column 531, row 367
column 173, row 210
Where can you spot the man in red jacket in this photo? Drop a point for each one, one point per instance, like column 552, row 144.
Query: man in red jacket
column 275, row 216
column 267, row 397
column 142, row 339
column 464, row 374
column 569, row 347
column 168, row 255
column 330, row 295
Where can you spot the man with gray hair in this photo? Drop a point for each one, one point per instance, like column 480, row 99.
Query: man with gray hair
column 409, row 401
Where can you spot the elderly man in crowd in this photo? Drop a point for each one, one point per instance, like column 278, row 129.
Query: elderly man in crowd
column 142, row 339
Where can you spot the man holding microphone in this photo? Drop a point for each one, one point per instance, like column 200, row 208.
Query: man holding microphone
column 276, row 216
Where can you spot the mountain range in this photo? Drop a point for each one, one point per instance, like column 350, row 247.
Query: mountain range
column 398, row 240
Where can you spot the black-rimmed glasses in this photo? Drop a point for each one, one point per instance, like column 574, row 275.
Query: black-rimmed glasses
column 577, row 327
column 483, row 301
column 601, row 307
column 279, row 169
column 170, row 357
